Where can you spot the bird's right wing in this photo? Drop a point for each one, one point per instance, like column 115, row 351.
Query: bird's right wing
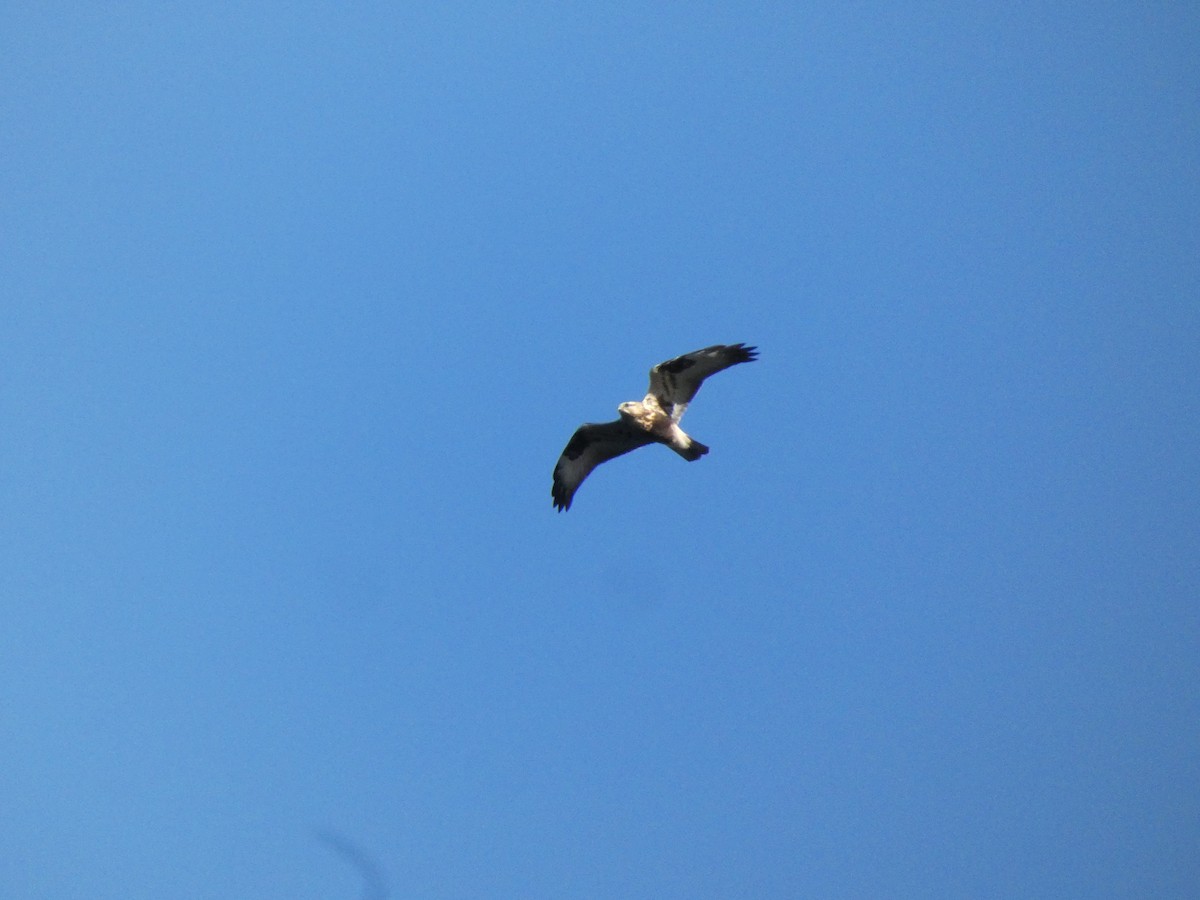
column 590, row 446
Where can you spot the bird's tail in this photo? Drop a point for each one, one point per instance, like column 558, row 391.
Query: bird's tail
column 693, row 451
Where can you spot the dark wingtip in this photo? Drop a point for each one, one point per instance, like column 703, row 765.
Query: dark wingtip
column 562, row 499
column 742, row 353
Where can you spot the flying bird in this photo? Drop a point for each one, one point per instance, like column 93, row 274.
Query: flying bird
column 655, row 420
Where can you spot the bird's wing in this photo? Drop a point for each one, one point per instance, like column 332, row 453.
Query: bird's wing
column 674, row 383
column 589, row 446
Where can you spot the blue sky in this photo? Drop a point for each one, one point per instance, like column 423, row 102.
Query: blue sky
column 300, row 306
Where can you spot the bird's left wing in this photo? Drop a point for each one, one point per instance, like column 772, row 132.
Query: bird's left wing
column 590, row 446
column 674, row 383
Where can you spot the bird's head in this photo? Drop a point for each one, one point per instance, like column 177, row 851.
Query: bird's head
column 630, row 408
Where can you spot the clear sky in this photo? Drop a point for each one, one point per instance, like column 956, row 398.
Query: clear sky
column 300, row 303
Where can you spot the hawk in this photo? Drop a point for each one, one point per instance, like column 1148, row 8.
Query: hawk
column 654, row 420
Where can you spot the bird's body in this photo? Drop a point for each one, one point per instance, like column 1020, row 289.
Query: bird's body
column 649, row 416
column 652, row 420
